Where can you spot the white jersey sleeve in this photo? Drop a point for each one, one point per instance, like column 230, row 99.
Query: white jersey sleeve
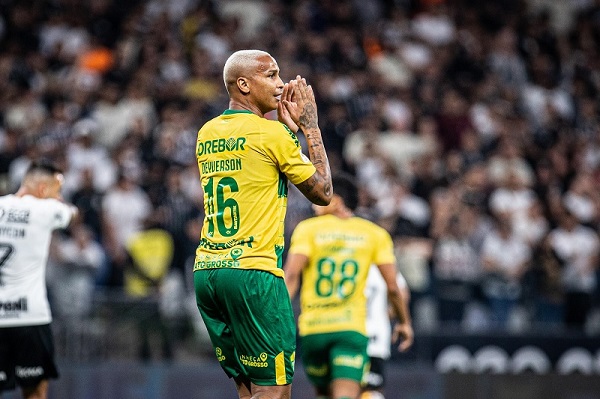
column 379, row 328
column 378, row 321
column 26, row 225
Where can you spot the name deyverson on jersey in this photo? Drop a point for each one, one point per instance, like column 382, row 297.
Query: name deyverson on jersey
column 222, row 165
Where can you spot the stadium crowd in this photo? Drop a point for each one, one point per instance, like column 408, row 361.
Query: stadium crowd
column 472, row 126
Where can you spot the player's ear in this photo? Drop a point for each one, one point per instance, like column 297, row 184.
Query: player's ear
column 243, row 85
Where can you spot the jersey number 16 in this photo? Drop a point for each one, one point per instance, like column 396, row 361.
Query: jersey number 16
column 219, row 209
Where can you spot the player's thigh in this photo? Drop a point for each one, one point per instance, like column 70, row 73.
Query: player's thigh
column 7, row 359
column 337, row 355
column 216, row 319
column 349, row 359
column 251, row 323
column 34, row 355
column 264, row 328
column 274, row 392
column 315, row 351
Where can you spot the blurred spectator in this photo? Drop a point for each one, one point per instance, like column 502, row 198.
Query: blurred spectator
column 452, row 119
column 577, row 247
column 456, row 271
column 400, row 209
column 543, row 97
column 427, row 176
column 150, row 253
column 513, row 198
column 55, row 132
column 582, row 199
column 125, row 208
column 548, row 294
column 505, row 258
column 362, row 152
column 78, row 260
column 413, row 258
column 174, row 212
column 587, row 118
column 29, row 151
column 84, row 153
column 27, row 113
column 533, row 226
column 509, row 162
column 89, row 202
column 505, row 61
column 434, row 25
column 175, row 135
column 110, row 115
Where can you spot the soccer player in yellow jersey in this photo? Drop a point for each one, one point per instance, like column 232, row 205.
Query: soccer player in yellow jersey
column 245, row 162
column 332, row 253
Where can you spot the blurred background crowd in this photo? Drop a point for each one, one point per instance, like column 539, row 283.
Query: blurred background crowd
column 472, row 127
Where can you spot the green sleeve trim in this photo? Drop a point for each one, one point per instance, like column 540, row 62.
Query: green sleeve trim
column 282, row 188
column 279, row 253
column 292, row 135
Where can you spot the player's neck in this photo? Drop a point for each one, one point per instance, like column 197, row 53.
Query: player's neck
column 343, row 213
column 243, row 105
column 23, row 191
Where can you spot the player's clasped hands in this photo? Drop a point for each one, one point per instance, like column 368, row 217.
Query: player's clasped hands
column 298, row 104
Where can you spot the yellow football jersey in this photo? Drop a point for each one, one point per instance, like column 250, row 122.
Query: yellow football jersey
column 340, row 252
column 245, row 162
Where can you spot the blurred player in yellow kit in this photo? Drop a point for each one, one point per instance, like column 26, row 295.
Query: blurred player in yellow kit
column 329, row 260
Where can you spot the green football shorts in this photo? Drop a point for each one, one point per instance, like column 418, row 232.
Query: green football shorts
column 330, row 356
column 250, row 322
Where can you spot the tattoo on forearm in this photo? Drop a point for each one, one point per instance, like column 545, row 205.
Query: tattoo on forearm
column 318, row 187
column 308, row 117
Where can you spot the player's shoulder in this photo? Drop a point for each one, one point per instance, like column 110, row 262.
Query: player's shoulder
column 7, row 197
column 30, row 203
column 310, row 222
column 370, row 227
column 275, row 127
column 315, row 225
column 48, row 203
column 270, row 126
column 366, row 223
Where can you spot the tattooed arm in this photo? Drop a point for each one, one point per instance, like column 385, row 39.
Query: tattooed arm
column 299, row 102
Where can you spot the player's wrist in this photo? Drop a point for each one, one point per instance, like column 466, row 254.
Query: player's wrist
column 310, row 132
column 402, row 322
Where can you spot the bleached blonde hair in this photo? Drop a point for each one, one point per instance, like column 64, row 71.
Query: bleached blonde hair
column 239, row 64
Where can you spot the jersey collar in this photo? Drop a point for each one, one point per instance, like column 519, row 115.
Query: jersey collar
column 236, row 111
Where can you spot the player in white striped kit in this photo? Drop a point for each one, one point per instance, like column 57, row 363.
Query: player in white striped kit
column 27, row 220
column 379, row 331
